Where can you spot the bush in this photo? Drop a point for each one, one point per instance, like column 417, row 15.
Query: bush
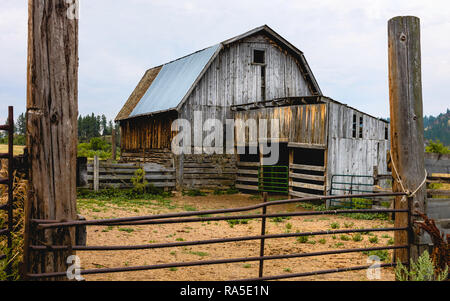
column 437, row 147
column 139, row 182
column 422, row 270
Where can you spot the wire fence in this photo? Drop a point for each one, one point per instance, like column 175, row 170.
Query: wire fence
column 203, row 216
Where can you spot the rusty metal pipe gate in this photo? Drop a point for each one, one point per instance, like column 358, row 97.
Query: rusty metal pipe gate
column 9, row 182
column 181, row 218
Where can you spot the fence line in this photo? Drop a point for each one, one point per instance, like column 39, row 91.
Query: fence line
column 168, row 218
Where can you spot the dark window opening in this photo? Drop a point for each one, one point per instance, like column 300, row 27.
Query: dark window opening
column 386, row 133
column 259, row 56
column 263, row 83
column 360, row 127
column 354, row 126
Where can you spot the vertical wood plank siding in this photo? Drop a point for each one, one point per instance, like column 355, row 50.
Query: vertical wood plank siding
column 299, row 124
column 147, row 132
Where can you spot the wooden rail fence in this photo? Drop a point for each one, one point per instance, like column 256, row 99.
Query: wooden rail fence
column 100, row 175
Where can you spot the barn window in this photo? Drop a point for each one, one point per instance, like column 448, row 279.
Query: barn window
column 386, row 133
column 354, row 126
column 360, row 127
column 259, row 56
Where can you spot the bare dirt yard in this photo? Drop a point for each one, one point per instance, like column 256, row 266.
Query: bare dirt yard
column 147, row 234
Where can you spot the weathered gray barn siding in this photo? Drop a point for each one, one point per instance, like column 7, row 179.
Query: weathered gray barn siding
column 357, row 156
column 233, row 79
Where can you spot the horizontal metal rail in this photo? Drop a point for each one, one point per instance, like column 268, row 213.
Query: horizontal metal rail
column 211, row 262
column 4, row 181
column 45, row 224
column 210, row 241
column 4, row 127
column 4, row 155
column 4, row 207
column 4, row 231
column 321, row 272
column 235, row 217
column 3, row 256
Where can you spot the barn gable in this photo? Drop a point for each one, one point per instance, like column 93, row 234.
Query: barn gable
column 176, row 81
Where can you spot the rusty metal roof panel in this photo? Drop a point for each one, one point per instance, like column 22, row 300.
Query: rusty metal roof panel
column 173, row 82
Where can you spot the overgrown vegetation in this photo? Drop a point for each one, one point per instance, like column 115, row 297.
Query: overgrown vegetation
column 437, row 148
column 96, row 147
column 421, row 270
column 15, row 254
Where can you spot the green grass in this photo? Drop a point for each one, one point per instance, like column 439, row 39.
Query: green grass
column 322, row 241
column 302, row 239
column 382, row 254
column 345, row 237
column 335, row 225
column 373, row 239
column 357, row 237
column 201, row 254
column 247, row 266
column 128, row 230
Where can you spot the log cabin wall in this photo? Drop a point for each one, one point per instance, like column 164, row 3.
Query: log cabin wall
column 148, row 139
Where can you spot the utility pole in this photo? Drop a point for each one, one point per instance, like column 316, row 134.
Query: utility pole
column 406, row 112
column 52, row 110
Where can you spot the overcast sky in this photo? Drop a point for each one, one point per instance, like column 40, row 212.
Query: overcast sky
column 345, row 43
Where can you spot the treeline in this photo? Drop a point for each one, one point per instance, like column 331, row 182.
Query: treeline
column 438, row 128
column 89, row 126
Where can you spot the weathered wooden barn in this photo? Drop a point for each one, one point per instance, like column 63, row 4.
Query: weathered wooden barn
column 256, row 75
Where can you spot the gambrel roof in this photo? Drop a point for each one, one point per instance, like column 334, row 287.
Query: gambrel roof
column 166, row 87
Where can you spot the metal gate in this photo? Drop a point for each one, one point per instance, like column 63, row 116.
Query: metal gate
column 273, row 178
column 8, row 207
column 349, row 184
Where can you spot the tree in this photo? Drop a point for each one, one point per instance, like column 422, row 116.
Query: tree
column 21, row 125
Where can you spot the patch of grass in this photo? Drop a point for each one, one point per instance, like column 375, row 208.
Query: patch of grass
column 247, row 266
column 201, row 254
column 180, row 239
column 311, row 242
column 357, row 237
column 287, row 270
column 233, row 222
column 339, row 244
column 279, row 219
column 335, row 225
column 128, row 230
column 385, row 236
column 322, row 241
column 302, row 239
column 382, row 254
column 189, row 208
column 345, row 237
column 173, row 269
column 348, row 225
column 390, row 242
column 373, row 239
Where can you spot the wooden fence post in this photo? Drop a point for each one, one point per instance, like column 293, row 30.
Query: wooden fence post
column 113, row 142
column 96, row 173
column 52, row 109
column 406, row 112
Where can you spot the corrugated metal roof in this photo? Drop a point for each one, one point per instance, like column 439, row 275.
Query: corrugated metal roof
column 173, row 82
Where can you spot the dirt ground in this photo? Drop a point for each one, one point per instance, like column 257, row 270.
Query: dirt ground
column 132, row 235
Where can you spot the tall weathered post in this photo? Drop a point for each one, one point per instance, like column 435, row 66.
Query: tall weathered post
column 406, row 112
column 52, row 109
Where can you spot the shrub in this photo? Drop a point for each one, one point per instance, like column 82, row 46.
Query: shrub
column 437, row 147
column 335, row 225
column 139, row 182
column 422, row 270
column 357, row 237
column 373, row 239
column 383, row 255
column 302, row 239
